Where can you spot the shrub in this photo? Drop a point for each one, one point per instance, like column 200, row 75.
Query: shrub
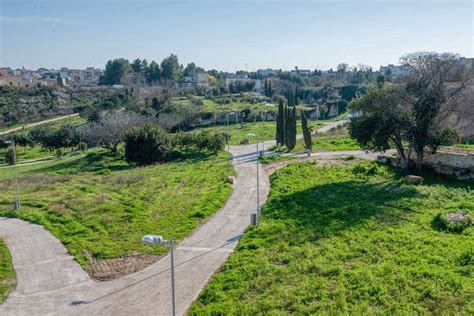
column 202, row 140
column 82, row 146
column 146, row 145
column 59, row 152
column 10, row 157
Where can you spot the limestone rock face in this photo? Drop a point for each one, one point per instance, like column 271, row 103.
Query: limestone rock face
column 459, row 217
column 413, row 179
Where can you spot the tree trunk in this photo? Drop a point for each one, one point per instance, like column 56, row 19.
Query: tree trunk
column 419, row 160
column 401, row 154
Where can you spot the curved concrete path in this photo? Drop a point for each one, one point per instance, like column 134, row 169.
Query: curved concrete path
column 50, row 282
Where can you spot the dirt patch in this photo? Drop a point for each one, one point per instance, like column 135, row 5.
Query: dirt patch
column 108, row 269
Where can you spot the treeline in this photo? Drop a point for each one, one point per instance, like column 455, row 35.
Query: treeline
column 122, row 71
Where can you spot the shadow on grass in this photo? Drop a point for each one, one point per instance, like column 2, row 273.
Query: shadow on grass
column 329, row 208
column 92, row 162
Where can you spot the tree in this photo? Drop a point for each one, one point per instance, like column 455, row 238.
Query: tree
column 280, row 122
column 147, row 144
column 170, row 68
column 109, row 131
column 10, row 156
column 434, row 80
column 191, row 69
column 136, row 65
column 308, row 144
column 290, row 128
column 115, row 71
column 382, row 121
column 410, row 111
column 153, row 73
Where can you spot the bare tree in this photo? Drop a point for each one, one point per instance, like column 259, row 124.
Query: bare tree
column 109, row 131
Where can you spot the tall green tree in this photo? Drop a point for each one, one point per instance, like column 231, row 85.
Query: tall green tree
column 153, row 73
column 409, row 113
column 170, row 68
column 308, row 144
column 280, row 122
column 290, row 128
column 115, row 71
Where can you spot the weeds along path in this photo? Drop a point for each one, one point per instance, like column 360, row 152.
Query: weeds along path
column 50, row 282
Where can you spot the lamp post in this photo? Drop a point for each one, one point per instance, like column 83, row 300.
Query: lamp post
column 228, row 140
column 258, row 184
column 17, row 201
column 158, row 240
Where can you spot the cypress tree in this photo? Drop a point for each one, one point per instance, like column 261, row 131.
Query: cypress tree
column 290, row 128
column 280, row 123
column 292, row 133
column 306, row 133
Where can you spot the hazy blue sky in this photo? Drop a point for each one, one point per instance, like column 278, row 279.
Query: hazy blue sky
column 230, row 35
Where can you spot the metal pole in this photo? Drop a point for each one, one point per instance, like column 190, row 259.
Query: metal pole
column 16, row 178
column 228, row 147
column 172, row 277
column 258, row 193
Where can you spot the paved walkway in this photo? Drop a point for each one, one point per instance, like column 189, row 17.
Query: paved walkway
column 25, row 126
column 50, row 282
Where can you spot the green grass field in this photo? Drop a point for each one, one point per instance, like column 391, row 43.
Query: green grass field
column 100, row 206
column 334, row 242
column 7, row 274
column 330, row 142
column 264, row 131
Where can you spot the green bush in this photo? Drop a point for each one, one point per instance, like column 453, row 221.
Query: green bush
column 10, row 156
column 202, row 140
column 59, row 152
column 146, row 145
column 82, row 146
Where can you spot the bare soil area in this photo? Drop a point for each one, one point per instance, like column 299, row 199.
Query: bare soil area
column 109, row 269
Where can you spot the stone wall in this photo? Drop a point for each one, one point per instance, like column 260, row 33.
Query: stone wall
column 458, row 162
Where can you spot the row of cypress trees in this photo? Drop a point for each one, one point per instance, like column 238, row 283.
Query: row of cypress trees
column 286, row 127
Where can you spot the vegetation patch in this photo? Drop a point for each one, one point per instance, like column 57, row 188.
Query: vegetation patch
column 99, row 206
column 332, row 242
column 7, row 274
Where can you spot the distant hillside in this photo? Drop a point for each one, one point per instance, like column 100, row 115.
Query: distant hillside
column 38, row 103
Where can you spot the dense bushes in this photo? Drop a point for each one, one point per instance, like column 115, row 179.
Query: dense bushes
column 202, row 140
column 10, row 156
column 149, row 144
column 146, row 145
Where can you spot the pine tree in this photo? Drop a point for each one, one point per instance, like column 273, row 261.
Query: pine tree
column 306, row 133
column 280, row 124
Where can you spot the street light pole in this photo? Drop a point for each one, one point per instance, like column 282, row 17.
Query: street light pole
column 173, row 290
column 17, row 202
column 158, row 240
column 258, row 185
column 228, row 146
column 258, row 180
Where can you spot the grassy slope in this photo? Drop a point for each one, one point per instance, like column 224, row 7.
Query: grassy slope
column 101, row 206
column 7, row 274
column 264, row 130
column 333, row 243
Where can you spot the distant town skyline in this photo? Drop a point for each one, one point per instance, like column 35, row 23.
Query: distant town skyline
column 233, row 35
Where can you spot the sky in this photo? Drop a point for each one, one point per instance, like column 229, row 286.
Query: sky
column 231, row 35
